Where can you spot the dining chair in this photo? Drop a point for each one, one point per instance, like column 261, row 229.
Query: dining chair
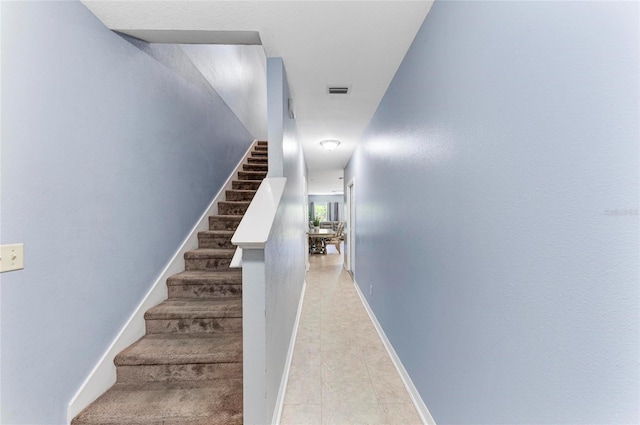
column 335, row 240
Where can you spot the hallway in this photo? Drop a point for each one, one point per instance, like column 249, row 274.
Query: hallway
column 341, row 372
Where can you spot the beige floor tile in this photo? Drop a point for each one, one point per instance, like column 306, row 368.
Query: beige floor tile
column 309, row 333
column 305, row 371
column 340, row 366
column 304, row 385
column 376, row 357
column 401, row 414
column 367, row 414
column 372, row 414
column 387, row 385
column 335, row 342
column 301, row 414
column 306, row 352
column 340, row 394
column 341, row 372
column 333, row 416
column 370, row 351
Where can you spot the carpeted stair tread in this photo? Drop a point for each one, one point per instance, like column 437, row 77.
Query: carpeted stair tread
column 240, row 195
column 233, row 207
column 240, row 203
column 232, row 276
column 222, row 217
column 196, row 308
column 202, row 253
column 222, row 233
column 139, row 374
column 224, row 222
column 213, row 239
column 167, row 403
column 255, row 167
column 209, row 258
column 244, row 191
column 205, row 283
column 246, row 184
column 252, row 175
column 168, row 348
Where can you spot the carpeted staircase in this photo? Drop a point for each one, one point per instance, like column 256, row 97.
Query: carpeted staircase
column 187, row 369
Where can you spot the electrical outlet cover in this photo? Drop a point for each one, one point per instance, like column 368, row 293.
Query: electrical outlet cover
column 11, row 257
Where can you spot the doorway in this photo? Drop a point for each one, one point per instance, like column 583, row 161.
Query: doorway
column 351, row 226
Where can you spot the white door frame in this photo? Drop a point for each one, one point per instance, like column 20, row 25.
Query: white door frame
column 306, row 221
column 351, row 225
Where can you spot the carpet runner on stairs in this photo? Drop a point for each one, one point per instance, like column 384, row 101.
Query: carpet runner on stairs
column 187, row 368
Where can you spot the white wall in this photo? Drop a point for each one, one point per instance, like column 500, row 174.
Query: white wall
column 238, row 74
column 497, row 198
column 111, row 150
column 326, row 198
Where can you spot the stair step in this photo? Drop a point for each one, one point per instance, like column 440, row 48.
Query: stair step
column 251, row 175
column 258, row 160
column 259, row 154
column 260, row 148
column 201, row 277
column 263, row 142
column 208, row 259
column 224, row 222
column 255, row 167
column 194, row 308
column 240, row 195
column 245, row 184
column 162, row 349
column 178, row 372
column 232, row 208
column 216, row 238
column 195, row 315
column 167, row 403
column 205, row 284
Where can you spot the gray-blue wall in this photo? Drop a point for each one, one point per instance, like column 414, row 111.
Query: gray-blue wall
column 497, row 212
column 111, row 150
column 285, row 251
column 329, row 198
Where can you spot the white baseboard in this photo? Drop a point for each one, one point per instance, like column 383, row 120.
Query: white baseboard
column 277, row 413
column 422, row 409
column 103, row 374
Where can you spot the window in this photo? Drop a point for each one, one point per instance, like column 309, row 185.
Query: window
column 320, row 211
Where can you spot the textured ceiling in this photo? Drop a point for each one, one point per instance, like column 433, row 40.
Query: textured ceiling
column 355, row 43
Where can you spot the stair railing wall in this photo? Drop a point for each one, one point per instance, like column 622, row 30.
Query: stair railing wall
column 103, row 374
column 253, row 236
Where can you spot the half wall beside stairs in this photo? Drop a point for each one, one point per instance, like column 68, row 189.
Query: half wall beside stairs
column 187, row 369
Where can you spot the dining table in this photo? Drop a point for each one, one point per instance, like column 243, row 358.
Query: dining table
column 317, row 238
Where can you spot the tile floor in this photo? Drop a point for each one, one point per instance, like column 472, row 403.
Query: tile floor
column 341, row 372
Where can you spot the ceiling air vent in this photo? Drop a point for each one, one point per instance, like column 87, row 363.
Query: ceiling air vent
column 338, row 89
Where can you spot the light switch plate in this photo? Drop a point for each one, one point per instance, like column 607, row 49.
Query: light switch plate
column 11, row 257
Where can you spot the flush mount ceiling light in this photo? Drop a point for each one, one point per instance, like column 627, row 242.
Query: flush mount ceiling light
column 329, row 144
